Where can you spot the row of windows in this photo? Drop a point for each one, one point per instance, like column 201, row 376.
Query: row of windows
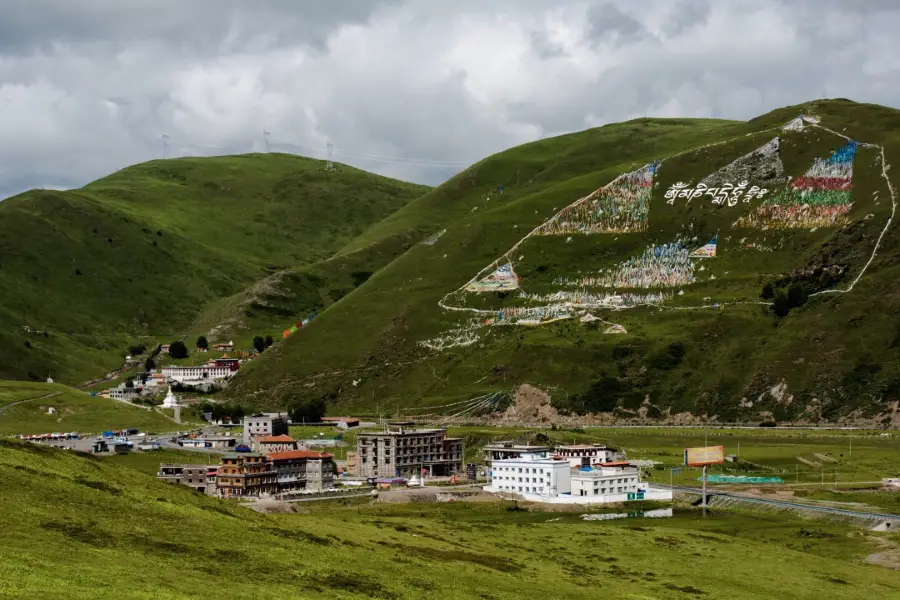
column 520, row 479
column 615, row 490
column 512, row 488
column 527, row 470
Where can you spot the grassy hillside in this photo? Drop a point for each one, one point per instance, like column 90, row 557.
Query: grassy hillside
column 73, row 535
column 141, row 253
column 711, row 347
column 24, row 409
column 285, row 297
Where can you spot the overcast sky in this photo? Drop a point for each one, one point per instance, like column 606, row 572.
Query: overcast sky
column 411, row 89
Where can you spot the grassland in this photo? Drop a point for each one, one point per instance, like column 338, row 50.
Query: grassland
column 836, row 355
column 26, row 405
column 74, row 535
column 141, row 254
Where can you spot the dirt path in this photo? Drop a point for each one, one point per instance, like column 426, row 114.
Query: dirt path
column 50, row 395
column 889, row 557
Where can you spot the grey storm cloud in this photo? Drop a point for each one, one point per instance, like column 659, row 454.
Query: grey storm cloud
column 412, row 89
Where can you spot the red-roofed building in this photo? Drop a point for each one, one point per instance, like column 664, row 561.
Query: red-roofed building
column 303, row 470
column 274, row 443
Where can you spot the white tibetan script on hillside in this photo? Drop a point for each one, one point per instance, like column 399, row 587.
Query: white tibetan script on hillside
column 726, row 193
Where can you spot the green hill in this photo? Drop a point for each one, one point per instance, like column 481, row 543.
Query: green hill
column 141, row 254
column 547, row 233
column 24, row 410
column 70, row 531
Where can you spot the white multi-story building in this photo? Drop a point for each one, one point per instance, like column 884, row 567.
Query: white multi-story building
column 531, row 474
column 264, row 425
column 586, row 455
column 196, row 374
column 606, row 480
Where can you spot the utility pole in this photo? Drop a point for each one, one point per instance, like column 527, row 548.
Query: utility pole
column 328, row 164
column 165, row 144
column 266, row 135
column 704, row 491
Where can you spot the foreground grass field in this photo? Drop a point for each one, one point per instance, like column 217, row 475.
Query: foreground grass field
column 70, row 531
column 27, row 407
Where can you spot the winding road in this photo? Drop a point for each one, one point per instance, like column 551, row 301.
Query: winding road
column 50, row 395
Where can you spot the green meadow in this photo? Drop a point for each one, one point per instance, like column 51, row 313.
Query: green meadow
column 27, row 405
column 79, row 526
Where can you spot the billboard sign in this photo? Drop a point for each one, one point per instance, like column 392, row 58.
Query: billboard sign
column 708, row 455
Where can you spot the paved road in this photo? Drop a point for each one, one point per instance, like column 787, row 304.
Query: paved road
column 784, row 503
column 50, row 395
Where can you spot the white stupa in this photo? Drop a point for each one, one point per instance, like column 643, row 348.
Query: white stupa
column 171, row 401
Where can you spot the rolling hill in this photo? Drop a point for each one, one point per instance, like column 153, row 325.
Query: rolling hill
column 658, row 268
column 24, row 410
column 142, row 254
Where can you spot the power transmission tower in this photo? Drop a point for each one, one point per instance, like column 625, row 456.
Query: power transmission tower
column 266, row 135
column 165, row 143
column 328, row 164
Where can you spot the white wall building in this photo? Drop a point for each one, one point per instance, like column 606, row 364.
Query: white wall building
column 123, row 393
column 586, row 455
column 531, row 474
column 606, row 480
column 192, row 374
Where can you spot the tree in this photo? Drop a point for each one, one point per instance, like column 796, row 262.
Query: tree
column 309, row 411
column 130, row 383
column 149, row 365
column 259, row 343
column 797, row 296
column 177, row 349
column 202, row 342
column 137, row 349
column 781, row 306
column 768, row 292
column 269, row 341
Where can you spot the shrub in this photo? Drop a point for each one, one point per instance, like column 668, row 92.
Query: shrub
column 177, row 349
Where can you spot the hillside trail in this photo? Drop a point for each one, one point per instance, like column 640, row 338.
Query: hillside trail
column 106, row 377
column 50, row 395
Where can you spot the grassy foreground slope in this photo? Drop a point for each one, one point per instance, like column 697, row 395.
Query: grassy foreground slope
column 143, row 251
column 73, row 535
column 833, row 356
column 24, row 409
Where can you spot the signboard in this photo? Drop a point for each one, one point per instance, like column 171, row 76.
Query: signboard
column 472, row 471
column 709, row 455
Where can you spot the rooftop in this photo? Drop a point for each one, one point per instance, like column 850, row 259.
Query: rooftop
column 241, row 454
column 404, row 431
column 276, row 439
column 585, row 447
column 510, row 446
column 295, row 454
column 533, row 458
column 338, row 419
